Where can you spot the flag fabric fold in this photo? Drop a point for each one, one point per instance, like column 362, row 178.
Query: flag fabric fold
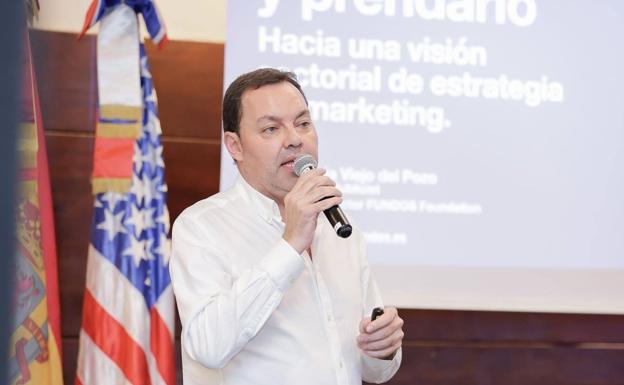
column 120, row 109
column 128, row 309
column 153, row 21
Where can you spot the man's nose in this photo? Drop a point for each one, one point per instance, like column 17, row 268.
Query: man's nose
column 293, row 137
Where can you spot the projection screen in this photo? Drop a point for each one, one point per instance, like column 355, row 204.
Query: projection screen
column 479, row 143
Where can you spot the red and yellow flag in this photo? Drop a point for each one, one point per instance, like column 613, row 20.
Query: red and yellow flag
column 34, row 352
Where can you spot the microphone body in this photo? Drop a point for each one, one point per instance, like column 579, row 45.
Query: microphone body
column 334, row 214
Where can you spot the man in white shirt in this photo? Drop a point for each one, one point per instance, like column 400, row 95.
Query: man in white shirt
column 267, row 292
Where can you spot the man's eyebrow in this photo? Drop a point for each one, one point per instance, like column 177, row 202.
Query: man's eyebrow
column 274, row 118
column 303, row 113
column 269, row 117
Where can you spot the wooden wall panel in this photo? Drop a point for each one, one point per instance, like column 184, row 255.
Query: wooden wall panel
column 477, row 326
column 508, row 365
column 441, row 347
column 65, row 70
column 70, row 159
column 189, row 100
column 192, row 172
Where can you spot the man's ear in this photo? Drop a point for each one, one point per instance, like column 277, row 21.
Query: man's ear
column 233, row 144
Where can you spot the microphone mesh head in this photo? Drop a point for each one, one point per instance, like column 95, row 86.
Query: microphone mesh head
column 303, row 163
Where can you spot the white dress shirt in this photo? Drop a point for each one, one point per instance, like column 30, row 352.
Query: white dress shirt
column 254, row 311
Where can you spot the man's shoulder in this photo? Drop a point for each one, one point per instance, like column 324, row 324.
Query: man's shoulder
column 212, row 207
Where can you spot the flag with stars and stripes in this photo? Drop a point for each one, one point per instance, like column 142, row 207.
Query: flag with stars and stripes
column 128, row 309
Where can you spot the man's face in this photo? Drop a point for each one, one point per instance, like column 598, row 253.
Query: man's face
column 275, row 128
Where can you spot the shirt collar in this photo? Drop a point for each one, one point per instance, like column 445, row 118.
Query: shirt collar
column 265, row 206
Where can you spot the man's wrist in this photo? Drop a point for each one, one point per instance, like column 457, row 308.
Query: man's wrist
column 295, row 245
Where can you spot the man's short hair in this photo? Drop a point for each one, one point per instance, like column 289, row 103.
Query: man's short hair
column 232, row 107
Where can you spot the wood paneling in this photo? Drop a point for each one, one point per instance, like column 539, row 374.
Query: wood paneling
column 192, row 172
column 441, row 347
column 70, row 166
column 65, row 70
column 477, row 326
column 70, row 355
column 473, row 365
column 189, row 82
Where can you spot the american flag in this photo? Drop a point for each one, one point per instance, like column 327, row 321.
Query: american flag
column 128, row 312
column 153, row 21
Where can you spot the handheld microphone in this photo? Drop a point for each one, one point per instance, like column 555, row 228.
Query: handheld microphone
column 334, row 214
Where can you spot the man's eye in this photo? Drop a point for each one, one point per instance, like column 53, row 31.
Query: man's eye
column 270, row 130
column 305, row 123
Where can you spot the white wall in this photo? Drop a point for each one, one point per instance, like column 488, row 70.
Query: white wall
column 198, row 20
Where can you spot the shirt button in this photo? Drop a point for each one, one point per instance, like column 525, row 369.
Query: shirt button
column 340, row 364
column 329, row 318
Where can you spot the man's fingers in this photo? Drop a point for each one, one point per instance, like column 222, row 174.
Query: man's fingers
column 317, row 195
column 313, row 179
column 314, row 186
column 363, row 324
column 385, row 319
column 395, row 338
column 326, row 192
column 327, row 203
column 397, row 323
column 383, row 337
column 315, row 171
column 311, row 175
column 306, row 178
column 385, row 353
column 382, row 333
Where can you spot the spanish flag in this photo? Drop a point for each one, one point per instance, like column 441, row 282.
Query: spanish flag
column 34, row 352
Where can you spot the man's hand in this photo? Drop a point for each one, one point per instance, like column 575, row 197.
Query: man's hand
column 382, row 337
column 303, row 204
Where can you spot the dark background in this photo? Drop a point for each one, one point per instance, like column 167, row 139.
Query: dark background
column 12, row 25
column 440, row 347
